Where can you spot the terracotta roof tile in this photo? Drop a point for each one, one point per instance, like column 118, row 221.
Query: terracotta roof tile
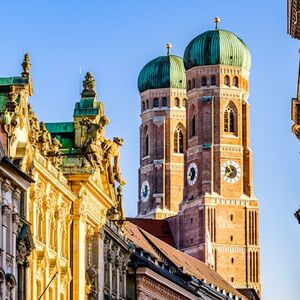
column 158, row 228
column 191, row 265
column 134, row 234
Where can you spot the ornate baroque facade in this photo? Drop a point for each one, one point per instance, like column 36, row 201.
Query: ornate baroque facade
column 15, row 241
column 75, row 170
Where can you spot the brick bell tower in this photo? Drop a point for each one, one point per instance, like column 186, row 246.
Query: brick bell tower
column 162, row 86
column 218, row 218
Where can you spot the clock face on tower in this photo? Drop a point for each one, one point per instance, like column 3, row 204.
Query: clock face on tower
column 145, row 191
column 231, row 171
column 192, row 173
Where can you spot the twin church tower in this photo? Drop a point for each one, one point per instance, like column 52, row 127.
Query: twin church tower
column 195, row 156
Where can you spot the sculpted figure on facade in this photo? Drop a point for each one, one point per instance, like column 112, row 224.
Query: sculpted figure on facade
column 89, row 86
column 111, row 149
column 34, row 126
column 92, row 146
column 55, row 153
column 116, row 213
column 44, row 139
column 91, row 282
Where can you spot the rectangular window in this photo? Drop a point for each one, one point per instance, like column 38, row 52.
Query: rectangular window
column 155, row 102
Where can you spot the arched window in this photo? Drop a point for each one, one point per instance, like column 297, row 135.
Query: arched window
column 184, row 102
column 177, row 102
column 213, row 80
column 143, row 106
column 235, row 81
column 229, row 125
column 178, row 139
column 147, row 104
column 193, row 130
column 155, row 102
column 227, row 80
column 193, row 83
column 164, row 101
column 145, row 141
column 203, row 81
column 189, row 85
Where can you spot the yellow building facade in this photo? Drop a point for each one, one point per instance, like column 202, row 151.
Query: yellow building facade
column 77, row 181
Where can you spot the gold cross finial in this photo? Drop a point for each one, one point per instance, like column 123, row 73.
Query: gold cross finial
column 168, row 46
column 217, row 21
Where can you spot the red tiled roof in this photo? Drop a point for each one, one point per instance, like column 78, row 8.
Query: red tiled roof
column 191, row 265
column 158, row 228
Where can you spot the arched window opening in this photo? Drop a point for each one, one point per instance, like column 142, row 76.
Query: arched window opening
column 235, row 81
column 203, row 81
column 145, row 141
column 143, row 106
column 193, row 127
column 193, row 83
column 184, row 102
column 229, row 124
column 147, row 104
column 164, row 101
column 147, row 145
column 213, row 80
column 178, row 140
column 227, row 80
column 189, row 85
column 155, row 102
column 177, row 102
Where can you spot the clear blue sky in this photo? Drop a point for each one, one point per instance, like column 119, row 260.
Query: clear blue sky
column 114, row 39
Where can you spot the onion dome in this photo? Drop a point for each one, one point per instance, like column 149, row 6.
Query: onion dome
column 215, row 47
column 163, row 72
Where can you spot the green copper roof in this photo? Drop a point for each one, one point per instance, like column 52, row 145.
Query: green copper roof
column 3, row 102
column 215, row 47
column 13, row 80
column 64, row 132
column 60, row 127
column 88, row 106
column 162, row 72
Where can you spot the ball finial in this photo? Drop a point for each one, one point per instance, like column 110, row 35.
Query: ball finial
column 168, row 46
column 217, row 21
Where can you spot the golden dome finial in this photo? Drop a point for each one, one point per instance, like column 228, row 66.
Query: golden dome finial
column 217, row 21
column 168, row 46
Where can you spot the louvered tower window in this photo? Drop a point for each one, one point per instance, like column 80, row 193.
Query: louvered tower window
column 229, row 120
column 193, row 129
column 178, row 140
column 235, row 81
column 145, row 141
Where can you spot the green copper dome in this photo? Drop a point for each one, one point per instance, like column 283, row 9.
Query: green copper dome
column 215, row 47
column 162, row 72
